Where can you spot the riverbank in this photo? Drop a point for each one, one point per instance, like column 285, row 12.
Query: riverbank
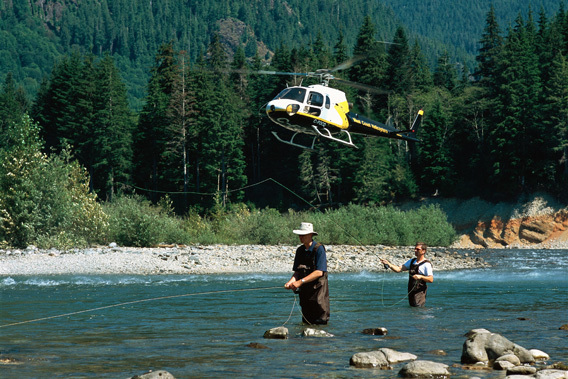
column 216, row 259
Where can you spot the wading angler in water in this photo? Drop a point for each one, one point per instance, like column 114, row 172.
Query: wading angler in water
column 420, row 273
column 310, row 277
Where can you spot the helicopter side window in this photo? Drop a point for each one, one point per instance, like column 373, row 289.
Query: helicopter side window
column 315, row 102
column 327, row 102
column 315, row 99
column 297, row 94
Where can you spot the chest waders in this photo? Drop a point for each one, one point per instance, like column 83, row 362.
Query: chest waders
column 416, row 288
column 314, row 296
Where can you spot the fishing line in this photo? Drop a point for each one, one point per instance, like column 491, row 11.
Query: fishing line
column 350, row 235
column 291, row 311
column 299, row 197
column 143, row 301
column 347, row 232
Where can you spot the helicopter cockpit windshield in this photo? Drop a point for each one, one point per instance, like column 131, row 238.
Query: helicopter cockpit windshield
column 293, row 93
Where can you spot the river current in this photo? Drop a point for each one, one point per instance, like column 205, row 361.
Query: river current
column 202, row 326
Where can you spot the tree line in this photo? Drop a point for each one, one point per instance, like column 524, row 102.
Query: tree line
column 498, row 132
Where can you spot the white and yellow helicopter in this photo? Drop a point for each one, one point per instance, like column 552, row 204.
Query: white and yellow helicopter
column 322, row 111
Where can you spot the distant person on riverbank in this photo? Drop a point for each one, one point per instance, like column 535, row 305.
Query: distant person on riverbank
column 310, row 277
column 420, row 273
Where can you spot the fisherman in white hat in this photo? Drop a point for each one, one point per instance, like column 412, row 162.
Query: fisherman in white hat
column 310, row 277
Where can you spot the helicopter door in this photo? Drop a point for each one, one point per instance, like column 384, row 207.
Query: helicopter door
column 315, row 103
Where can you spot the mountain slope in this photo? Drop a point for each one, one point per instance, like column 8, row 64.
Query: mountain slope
column 34, row 35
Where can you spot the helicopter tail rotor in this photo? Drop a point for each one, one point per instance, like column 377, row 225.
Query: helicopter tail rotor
column 416, row 123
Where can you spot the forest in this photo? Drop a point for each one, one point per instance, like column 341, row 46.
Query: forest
column 200, row 140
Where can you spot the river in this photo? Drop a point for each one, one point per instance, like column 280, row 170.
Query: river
column 200, row 326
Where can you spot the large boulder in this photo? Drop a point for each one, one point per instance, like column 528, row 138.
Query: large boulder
column 484, row 346
column 394, row 356
column 311, row 332
column 370, row 359
column 552, row 374
column 424, row 369
column 539, row 355
column 381, row 358
column 521, row 370
column 280, row 332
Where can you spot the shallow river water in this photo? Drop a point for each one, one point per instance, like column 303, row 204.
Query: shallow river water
column 201, row 326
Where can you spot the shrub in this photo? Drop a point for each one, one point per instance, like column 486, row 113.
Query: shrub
column 44, row 200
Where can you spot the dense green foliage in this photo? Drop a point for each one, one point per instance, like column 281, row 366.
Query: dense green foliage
column 34, row 35
column 84, row 106
column 135, row 222
column 44, row 200
column 198, row 142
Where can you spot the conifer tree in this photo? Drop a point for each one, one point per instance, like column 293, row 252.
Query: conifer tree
column 149, row 137
column 491, row 44
column 555, row 110
column 221, row 161
column 112, row 133
column 13, row 102
column 371, row 70
column 445, row 75
column 517, row 138
column 340, row 53
column 399, row 75
column 52, row 108
column 259, row 141
column 421, row 75
column 180, row 131
column 322, row 56
column 436, row 165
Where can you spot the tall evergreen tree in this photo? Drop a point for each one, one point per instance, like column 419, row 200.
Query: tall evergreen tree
column 321, row 54
column 445, row 75
column 399, row 71
column 491, row 44
column 421, row 75
column 221, row 163
column 437, row 171
column 555, row 106
column 52, row 108
column 340, row 53
column 149, row 137
column 518, row 149
column 13, row 103
column 112, row 132
column 179, row 132
column 371, row 70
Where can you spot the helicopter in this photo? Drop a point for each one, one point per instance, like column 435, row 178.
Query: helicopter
column 322, row 111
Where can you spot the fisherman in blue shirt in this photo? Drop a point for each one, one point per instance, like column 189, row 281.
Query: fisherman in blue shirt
column 310, row 277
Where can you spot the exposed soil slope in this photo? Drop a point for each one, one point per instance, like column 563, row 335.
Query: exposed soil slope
column 540, row 221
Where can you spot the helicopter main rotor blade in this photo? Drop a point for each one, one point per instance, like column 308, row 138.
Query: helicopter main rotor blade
column 364, row 87
column 349, row 63
column 322, row 74
column 265, row 72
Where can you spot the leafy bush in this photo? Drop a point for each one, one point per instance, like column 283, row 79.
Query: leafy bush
column 350, row 225
column 44, row 200
column 134, row 221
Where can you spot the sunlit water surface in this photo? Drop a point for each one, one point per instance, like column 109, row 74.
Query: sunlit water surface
column 201, row 326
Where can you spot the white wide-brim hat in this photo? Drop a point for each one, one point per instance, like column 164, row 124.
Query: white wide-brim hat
column 305, row 228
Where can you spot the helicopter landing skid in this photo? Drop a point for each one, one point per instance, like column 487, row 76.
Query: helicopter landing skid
column 328, row 135
column 291, row 141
